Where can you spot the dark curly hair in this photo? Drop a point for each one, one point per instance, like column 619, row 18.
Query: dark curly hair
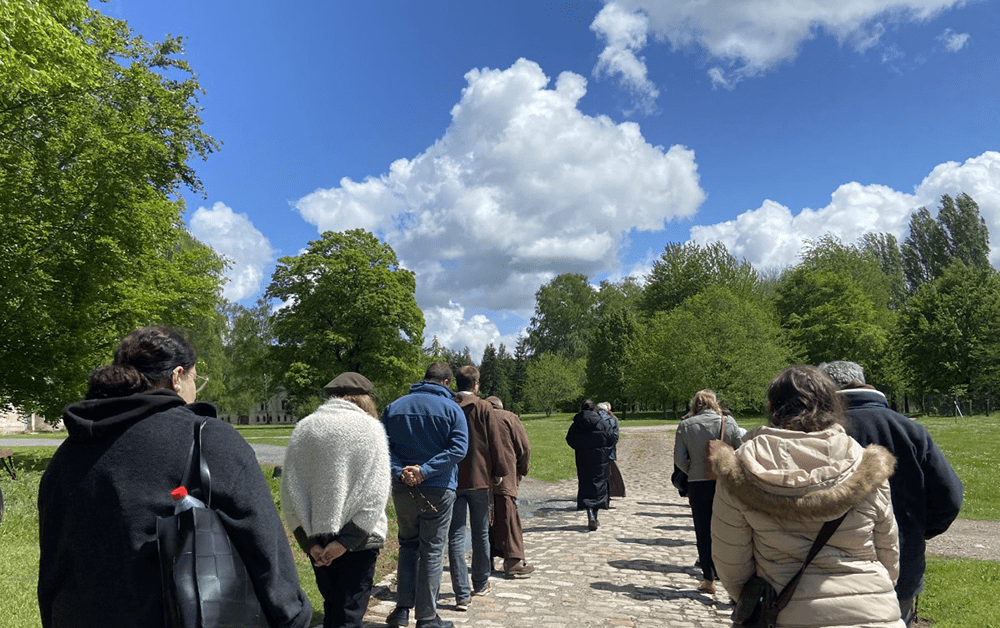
column 805, row 399
column 143, row 361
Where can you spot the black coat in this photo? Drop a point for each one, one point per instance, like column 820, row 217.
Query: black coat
column 105, row 487
column 592, row 438
column 926, row 492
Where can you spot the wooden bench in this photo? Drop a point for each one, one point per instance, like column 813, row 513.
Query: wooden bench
column 7, row 458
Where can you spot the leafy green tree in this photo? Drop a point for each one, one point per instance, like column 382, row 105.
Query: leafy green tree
column 830, row 317
column 683, row 270
column 836, row 304
column 608, row 369
column 715, row 339
column 349, row 306
column 959, row 233
column 518, row 371
column 249, row 377
column 97, row 131
column 564, row 317
column 494, row 373
column 950, row 332
column 553, row 382
column 884, row 248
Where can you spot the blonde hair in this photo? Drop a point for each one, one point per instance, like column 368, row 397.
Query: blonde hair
column 364, row 401
column 705, row 400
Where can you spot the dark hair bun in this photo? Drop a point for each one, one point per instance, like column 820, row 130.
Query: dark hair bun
column 116, row 380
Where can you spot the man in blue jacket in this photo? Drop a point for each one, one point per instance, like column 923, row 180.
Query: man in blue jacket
column 428, row 437
column 926, row 492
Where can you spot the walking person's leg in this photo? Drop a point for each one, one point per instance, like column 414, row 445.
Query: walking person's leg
column 456, row 549
column 701, row 494
column 434, row 525
column 407, row 518
column 479, row 525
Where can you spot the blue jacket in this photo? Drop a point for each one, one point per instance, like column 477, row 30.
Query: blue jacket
column 427, row 428
column 926, row 492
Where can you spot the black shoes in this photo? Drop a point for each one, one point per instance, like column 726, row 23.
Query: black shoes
column 592, row 523
column 437, row 622
column 400, row 616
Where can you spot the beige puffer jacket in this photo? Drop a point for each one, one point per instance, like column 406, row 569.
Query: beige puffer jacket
column 772, row 497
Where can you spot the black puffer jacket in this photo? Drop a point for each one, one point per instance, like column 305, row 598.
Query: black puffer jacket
column 105, row 487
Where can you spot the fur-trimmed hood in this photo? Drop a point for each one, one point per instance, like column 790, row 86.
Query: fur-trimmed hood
column 798, row 475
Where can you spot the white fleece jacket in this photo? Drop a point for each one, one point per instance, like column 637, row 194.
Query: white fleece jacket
column 336, row 472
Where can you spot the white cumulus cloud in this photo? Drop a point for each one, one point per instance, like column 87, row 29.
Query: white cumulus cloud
column 749, row 37
column 952, row 41
column 520, row 187
column 455, row 330
column 625, row 35
column 772, row 235
column 234, row 236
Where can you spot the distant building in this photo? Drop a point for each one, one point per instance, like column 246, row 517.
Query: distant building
column 275, row 411
column 13, row 421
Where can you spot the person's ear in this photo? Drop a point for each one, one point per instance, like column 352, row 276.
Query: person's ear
column 175, row 377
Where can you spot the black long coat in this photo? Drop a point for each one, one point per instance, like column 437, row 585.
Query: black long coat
column 106, row 485
column 592, row 438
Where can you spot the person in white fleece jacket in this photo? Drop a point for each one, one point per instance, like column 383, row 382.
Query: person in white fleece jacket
column 334, row 489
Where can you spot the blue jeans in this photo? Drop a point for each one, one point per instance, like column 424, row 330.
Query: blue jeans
column 476, row 503
column 422, row 537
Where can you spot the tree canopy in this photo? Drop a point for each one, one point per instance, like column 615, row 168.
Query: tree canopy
column 348, row 306
column 98, row 129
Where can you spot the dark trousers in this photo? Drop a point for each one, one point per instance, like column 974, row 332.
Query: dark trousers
column 701, row 495
column 346, row 586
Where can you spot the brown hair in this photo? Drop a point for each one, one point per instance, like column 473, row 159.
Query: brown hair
column 805, row 399
column 704, row 400
column 467, row 378
column 143, row 361
column 438, row 372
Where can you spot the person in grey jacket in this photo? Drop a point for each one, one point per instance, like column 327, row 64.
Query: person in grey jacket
column 705, row 423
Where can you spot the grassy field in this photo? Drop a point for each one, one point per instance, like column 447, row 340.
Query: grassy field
column 959, row 593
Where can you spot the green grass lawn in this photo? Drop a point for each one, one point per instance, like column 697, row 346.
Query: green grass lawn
column 972, row 446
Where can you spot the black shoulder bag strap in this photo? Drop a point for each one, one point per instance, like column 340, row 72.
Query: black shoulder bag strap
column 197, row 476
column 821, row 539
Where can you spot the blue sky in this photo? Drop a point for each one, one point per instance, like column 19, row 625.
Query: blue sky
column 496, row 145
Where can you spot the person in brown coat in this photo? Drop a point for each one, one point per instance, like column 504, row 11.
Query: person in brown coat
column 506, row 539
column 482, row 468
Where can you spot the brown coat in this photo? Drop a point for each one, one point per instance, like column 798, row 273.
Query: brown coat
column 484, row 461
column 515, row 450
column 773, row 495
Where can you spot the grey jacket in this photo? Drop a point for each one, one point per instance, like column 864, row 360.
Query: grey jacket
column 691, row 442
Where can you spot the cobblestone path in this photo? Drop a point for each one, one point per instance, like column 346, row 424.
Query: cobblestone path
column 637, row 570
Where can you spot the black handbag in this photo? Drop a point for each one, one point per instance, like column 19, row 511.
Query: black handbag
column 205, row 583
column 759, row 604
column 680, row 481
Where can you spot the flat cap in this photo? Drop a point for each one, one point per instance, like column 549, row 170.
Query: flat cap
column 349, row 384
column 493, row 399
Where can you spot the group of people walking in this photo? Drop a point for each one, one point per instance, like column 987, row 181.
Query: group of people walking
column 832, row 450
column 447, row 465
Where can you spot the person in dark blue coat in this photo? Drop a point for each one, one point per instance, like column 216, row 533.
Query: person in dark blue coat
column 592, row 438
column 926, row 492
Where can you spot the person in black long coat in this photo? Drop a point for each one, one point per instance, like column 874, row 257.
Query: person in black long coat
column 592, row 438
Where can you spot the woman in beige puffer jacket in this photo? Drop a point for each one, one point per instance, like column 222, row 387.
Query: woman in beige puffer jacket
column 775, row 492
